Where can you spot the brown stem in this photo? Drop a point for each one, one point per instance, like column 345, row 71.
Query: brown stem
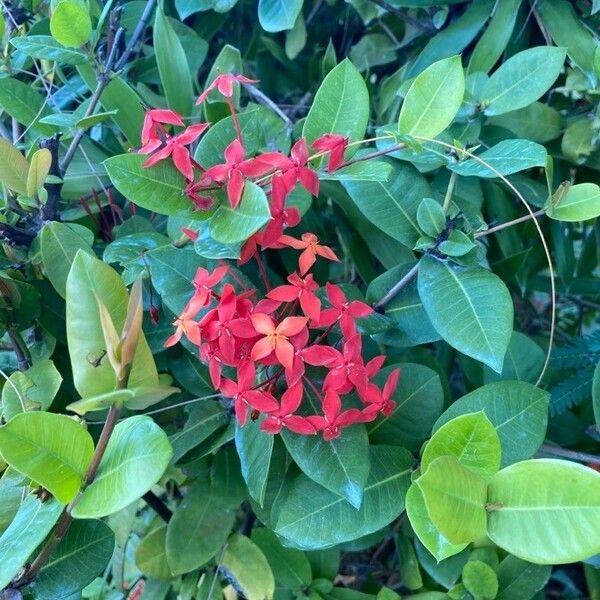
column 502, row 226
column 372, row 155
column 583, row 457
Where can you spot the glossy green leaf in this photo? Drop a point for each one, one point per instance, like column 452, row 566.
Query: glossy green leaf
column 518, row 411
column 537, row 122
column 470, row 307
column 33, row 389
column 172, row 66
column 53, row 450
column 79, row 558
column 520, row 579
column 135, row 459
column 244, row 562
column 419, row 400
column 341, row 105
column 24, row 104
column 433, row 99
column 278, row 15
column 522, row 79
column 505, row 158
column 392, row 205
column 91, row 281
column 46, row 47
column 546, row 511
column 70, row 23
column 150, row 554
column 13, row 168
column 159, row 188
column 480, row 580
column 12, row 488
column 523, row 361
column 455, row 498
column 311, row 517
column 254, row 447
column 431, row 217
column 32, row 523
column 198, row 529
column 59, row 244
column 472, row 439
column 230, row 226
column 579, row 203
column 341, row 465
column 426, row 531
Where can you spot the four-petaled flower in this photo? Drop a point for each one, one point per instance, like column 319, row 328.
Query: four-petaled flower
column 276, row 337
column 185, row 324
column 336, row 145
column 302, row 290
column 333, row 420
column 342, row 310
column 280, row 215
column 311, row 248
column 295, row 170
column 154, row 121
column 284, row 415
column 224, row 84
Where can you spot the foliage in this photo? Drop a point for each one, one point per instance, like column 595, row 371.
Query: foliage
column 299, row 298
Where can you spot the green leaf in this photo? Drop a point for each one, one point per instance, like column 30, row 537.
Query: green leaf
column 472, row 439
column 278, row 15
column 59, row 244
column 419, row 402
column 536, row 122
column 158, row 188
column 95, row 119
column 79, row 558
column 254, row 447
column 70, row 24
column 137, row 455
column 341, row 465
column 480, row 580
column 523, row 361
column 12, row 488
column 33, row 389
column 230, row 225
column 433, row 99
column 520, row 579
column 99, row 402
column 53, row 450
column 13, row 168
column 392, row 205
column 198, row 529
column 579, row 203
column 312, row 518
column 522, row 79
column 341, row 105
column 455, row 499
column 150, row 554
column 596, row 395
column 24, row 103
column 32, row 523
column 426, row 531
column 45, row 47
column 518, row 411
column 247, row 566
column 38, row 170
column 505, row 158
column 470, row 307
column 546, row 511
column 172, row 66
column 91, row 281
column 431, row 217
column 290, row 567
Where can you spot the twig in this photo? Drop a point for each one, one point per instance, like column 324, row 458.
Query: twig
column 537, row 213
column 395, row 290
column 583, row 457
column 402, row 14
column 383, row 152
column 137, row 34
column 20, row 349
column 159, row 507
column 266, row 101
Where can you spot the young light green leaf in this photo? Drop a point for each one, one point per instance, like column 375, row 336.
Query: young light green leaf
column 545, row 511
column 53, row 450
column 580, row 203
column 471, row 309
column 455, row 499
column 70, row 24
column 38, row 170
column 135, row 459
column 522, row 79
column 13, row 168
column 480, row 580
column 472, row 439
column 247, row 566
column 433, row 99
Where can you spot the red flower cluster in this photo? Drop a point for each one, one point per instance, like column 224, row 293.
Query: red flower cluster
column 266, row 353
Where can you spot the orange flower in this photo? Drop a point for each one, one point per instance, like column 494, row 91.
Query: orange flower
column 276, row 337
column 185, row 323
column 310, row 244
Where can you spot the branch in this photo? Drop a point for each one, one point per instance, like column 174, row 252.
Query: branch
column 583, row 457
column 20, row 349
column 266, row 101
column 159, row 507
column 137, row 34
column 402, row 14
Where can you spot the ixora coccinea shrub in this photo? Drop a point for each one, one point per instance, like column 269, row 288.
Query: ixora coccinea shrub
column 324, row 326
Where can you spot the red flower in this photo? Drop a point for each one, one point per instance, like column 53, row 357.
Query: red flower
column 209, row 354
column 276, row 337
column 153, row 121
column 185, row 323
column 205, row 281
column 336, row 146
column 302, row 290
column 381, row 400
column 202, row 203
column 284, row 415
column 311, row 249
column 333, row 420
column 244, row 395
column 234, row 170
column 224, row 84
column 296, row 170
column 166, row 146
column 281, row 216
column 190, row 233
column 343, row 311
